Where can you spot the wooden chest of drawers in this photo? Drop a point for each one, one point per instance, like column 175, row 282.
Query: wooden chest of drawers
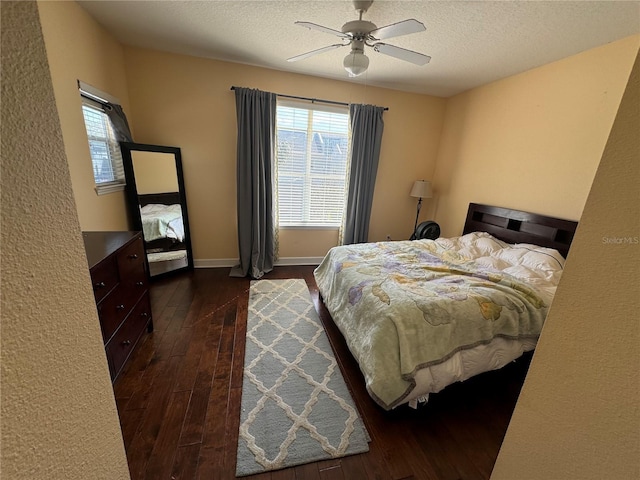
column 121, row 288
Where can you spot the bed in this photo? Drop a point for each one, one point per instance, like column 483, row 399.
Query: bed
column 420, row 315
column 162, row 223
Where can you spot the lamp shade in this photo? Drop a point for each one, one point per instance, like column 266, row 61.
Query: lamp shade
column 356, row 63
column 421, row 189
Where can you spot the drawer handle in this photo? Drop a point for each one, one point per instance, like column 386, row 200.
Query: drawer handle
column 133, row 256
column 120, row 307
column 140, row 284
column 127, row 342
column 100, row 285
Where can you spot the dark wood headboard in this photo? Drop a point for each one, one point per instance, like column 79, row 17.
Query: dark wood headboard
column 168, row 198
column 515, row 226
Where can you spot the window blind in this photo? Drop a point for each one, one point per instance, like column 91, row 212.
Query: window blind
column 106, row 157
column 312, row 148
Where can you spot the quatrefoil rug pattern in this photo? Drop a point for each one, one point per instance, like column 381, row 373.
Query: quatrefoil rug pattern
column 296, row 407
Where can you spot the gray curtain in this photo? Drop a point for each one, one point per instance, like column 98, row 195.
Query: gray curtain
column 366, row 137
column 119, row 122
column 256, row 115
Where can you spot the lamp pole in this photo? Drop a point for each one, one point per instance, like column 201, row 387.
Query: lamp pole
column 415, row 226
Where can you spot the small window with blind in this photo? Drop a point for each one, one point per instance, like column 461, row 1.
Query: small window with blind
column 312, row 147
column 103, row 147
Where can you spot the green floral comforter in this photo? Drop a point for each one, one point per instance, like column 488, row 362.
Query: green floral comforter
column 402, row 306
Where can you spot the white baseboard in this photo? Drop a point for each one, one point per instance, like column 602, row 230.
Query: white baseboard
column 215, row 262
column 291, row 261
column 230, row 262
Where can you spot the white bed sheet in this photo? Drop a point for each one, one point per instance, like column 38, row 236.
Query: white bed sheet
column 162, row 221
column 466, row 364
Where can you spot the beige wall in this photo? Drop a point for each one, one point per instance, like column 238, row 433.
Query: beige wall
column 185, row 101
column 577, row 416
column 532, row 141
column 58, row 414
column 547, row 126
column 155, row 172
column 80, row 49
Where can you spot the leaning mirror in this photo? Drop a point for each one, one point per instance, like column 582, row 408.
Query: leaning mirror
column 158, row 205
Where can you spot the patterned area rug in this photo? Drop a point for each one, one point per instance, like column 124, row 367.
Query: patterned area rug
column 296, row 407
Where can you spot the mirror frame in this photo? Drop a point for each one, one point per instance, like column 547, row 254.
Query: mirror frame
column 132, row 195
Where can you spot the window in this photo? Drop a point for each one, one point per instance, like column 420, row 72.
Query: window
column 312, row 146
column 103, row 147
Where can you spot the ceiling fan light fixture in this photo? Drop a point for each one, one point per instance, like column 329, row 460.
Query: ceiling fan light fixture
column 360, row 33
column 356, row 63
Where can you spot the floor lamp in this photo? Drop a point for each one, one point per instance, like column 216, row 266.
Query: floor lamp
column 421, row 189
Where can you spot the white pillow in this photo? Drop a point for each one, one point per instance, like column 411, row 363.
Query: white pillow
column 541, row 258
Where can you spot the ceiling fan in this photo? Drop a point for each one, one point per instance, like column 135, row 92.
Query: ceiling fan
column 359, row 33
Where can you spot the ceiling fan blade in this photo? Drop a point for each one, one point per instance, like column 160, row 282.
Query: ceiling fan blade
column 402, row 54
column 314, row 52
column 320, row 28
column 396, row 29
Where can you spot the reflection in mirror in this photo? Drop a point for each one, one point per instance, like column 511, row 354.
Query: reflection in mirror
column 159, row 201
column 158, row 205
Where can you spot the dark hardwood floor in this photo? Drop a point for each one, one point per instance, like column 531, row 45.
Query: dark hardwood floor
column 179, row 398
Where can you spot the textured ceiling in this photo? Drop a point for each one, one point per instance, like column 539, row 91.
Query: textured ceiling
column 471, row 43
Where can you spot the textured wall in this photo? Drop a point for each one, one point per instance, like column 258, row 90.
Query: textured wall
column 578, row 416
column 59, row 419
column 532, row 141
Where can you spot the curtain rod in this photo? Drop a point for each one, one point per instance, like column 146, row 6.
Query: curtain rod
column 93, row 93
column 312, row 100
